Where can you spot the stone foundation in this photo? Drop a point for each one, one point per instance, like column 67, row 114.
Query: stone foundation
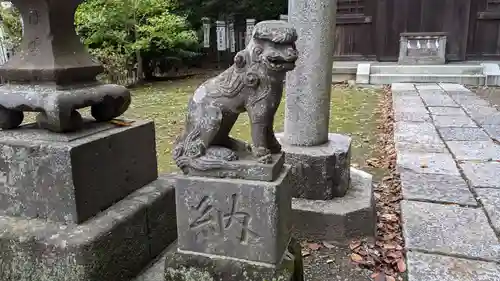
column 113, row 246
column 187, row 267
column 82, row 206
column 320, row 172
column 341, row 219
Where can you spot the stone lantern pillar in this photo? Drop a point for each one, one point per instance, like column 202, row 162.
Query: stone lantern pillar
column 82, row 200
column 54, row 74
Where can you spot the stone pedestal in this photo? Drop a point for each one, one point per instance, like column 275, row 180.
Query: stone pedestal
column 320, row 172
column 233, row 229
column 326, row 205
column 82, row 206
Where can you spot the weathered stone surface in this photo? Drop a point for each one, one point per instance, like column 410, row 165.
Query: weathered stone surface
column 436, row 99
column 320, row 172
column 429, row 267
column 246, row 168
column 401, row 107
column 478, row 113
column 48, row 73
column 412, row 117
column 71, row 177
column 308, row 87
column 408, row 101
column 180, row 266
column 470, row 101
column 427, row 163
column 474, row 150
column 416, row 132
column 491, row 202
column 340, row 219
column 234, row 218
column 493, row 131
column 428, row 87
column 454, row 121
column 445, row 111
column 453, row 87
column 254, row 83
column 154, row 272
column 491, row 119
column 482, row 174
column 115, row 245
column 449, row 229
column 463, row 134
column 396, row 87
column 436, row 188
column 429, row 147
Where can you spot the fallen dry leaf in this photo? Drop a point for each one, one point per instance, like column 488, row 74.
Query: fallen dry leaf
column 305, row 253
column 354, row 245
column 329, row 261
column 390, row 278
column 384, row 255
column 314, row 246
column 356, row 258
column 401, row 265
column 328, row 245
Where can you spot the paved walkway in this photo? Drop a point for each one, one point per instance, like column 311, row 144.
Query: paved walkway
column 447, row 141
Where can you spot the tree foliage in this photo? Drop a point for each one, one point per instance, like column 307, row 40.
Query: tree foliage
column 219, row 9
column 124, row 32
column 12, row 26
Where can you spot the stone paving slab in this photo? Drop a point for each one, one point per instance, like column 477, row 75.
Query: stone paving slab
column 432, row 99
column 447, row 111
column 492, row 119
column 427, row 163
column 474, row 150
column 470, row 100
column 463, row 134
column 415, row 132
column 428, row 86
column 452, row 87
column 436, row 188
column 490, row 198
column 478, row 112
column 428, row 267
column 412, row 117
column 482, row 175
column 402, row 87
column 422, row 147
column 454, row 121
column 493, row 131
column 440, row 213
column 449, row 229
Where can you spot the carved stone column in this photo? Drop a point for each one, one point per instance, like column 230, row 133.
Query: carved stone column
column 53, row 73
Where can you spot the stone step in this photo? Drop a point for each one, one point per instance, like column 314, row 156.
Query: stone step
column 464, row 79
column 458, row 69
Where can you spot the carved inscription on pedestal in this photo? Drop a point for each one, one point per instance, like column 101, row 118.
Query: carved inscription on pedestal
column 239, row 219
column 212, row 221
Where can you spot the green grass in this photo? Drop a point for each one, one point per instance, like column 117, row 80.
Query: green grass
column 352, row 113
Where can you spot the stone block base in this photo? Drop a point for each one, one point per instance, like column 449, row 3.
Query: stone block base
column 320, row 172
column 234, row 218
column 115, row 245
column 342, row 219
column 69, row 178
column 188, row 267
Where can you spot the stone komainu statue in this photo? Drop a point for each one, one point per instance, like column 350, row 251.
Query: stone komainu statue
column 254, row 83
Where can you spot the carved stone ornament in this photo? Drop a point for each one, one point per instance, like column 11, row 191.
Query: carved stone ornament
column 53, row 73
column 254, row 83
